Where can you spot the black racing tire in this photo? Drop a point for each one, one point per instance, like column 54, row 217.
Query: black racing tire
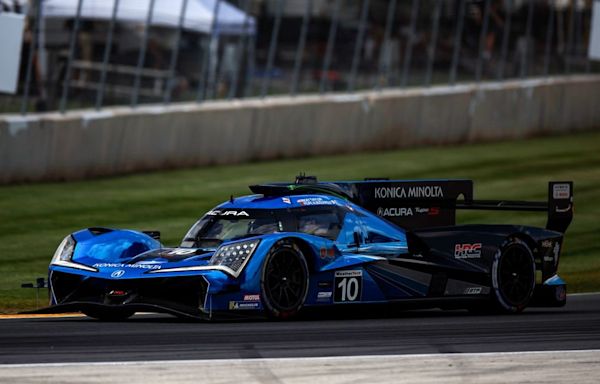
column 108, row 315
column 284, row 280
column 513, row 277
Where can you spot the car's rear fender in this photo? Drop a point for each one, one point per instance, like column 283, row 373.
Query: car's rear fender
column 544, row 244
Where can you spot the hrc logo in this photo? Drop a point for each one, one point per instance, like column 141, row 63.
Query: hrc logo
column 467, row 251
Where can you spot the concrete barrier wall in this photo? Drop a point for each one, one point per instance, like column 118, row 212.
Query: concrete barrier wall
column 120, row 140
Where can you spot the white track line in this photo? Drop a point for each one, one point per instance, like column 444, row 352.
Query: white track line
column 297, row 359
column 583, row 294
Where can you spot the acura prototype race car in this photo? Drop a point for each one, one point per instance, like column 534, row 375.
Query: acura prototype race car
column 310, row 244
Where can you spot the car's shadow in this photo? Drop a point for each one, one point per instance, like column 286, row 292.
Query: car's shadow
column 367, row 312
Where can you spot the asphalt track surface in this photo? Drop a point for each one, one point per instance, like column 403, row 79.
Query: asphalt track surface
column 149, row 337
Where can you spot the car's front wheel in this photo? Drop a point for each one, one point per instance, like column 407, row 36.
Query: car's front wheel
column 284, row 282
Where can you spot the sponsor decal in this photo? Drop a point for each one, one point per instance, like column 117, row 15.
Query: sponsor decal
column 118, row 273
column 182, row 251
column 394, row 212
column 348, row 286
column 407, row 211
column 348, row 273
column 431, row 211
column 132, row 266
column 216, row 212
column 547, row 244
column 324, row 296
column 117, row 293
column 467, row 251
column 243, row 305
column 561, row 191
column 324, row 284
column 315, row 201
column 286, row 200
column 426, row 191
column 254, row 297
column 473, row 291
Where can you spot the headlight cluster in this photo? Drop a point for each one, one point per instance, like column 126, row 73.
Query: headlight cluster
column 64, row 253
column 234, row 256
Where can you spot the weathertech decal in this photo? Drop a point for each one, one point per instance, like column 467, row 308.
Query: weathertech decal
column 427, row 191
column 467, row 251
column 348, row 273
column 348, row 286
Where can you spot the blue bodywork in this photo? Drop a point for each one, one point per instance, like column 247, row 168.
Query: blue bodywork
column 368, row 261
column 110, row 255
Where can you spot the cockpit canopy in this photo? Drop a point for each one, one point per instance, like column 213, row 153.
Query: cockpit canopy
column 331, row 218
column 222, row 225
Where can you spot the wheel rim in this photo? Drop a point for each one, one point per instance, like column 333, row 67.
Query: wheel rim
column 516, row 276
column 285, row 281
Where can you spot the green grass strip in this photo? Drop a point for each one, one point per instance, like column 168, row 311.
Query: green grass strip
column 34, row 218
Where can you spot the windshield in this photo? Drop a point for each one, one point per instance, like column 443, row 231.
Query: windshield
column 218, row 226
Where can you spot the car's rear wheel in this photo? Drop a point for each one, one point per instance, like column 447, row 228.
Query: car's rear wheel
column 284, row 282
column 513, row 277
column 108, row 315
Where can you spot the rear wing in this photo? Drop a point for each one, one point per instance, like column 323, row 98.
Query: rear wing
column 414, row 204
column 559, row 206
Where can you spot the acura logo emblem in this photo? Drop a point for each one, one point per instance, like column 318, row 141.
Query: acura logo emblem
column 117, row 274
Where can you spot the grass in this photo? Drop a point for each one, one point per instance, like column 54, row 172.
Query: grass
column 35, row 217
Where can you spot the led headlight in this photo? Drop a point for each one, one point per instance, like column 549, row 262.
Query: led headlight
column 234, row 256
column 230, row 258
column 64, row 253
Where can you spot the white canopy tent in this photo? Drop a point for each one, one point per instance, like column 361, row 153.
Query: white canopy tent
column 166, row 13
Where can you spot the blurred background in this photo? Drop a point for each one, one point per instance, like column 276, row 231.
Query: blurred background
column 91, row 54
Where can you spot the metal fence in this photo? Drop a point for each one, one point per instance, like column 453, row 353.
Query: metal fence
column 376, row 45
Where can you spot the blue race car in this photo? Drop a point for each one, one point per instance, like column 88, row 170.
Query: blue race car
column 309, row 244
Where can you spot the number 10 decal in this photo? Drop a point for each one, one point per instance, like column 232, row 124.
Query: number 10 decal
column 348, row 286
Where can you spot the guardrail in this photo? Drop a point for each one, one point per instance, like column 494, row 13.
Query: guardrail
column 120, row 140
